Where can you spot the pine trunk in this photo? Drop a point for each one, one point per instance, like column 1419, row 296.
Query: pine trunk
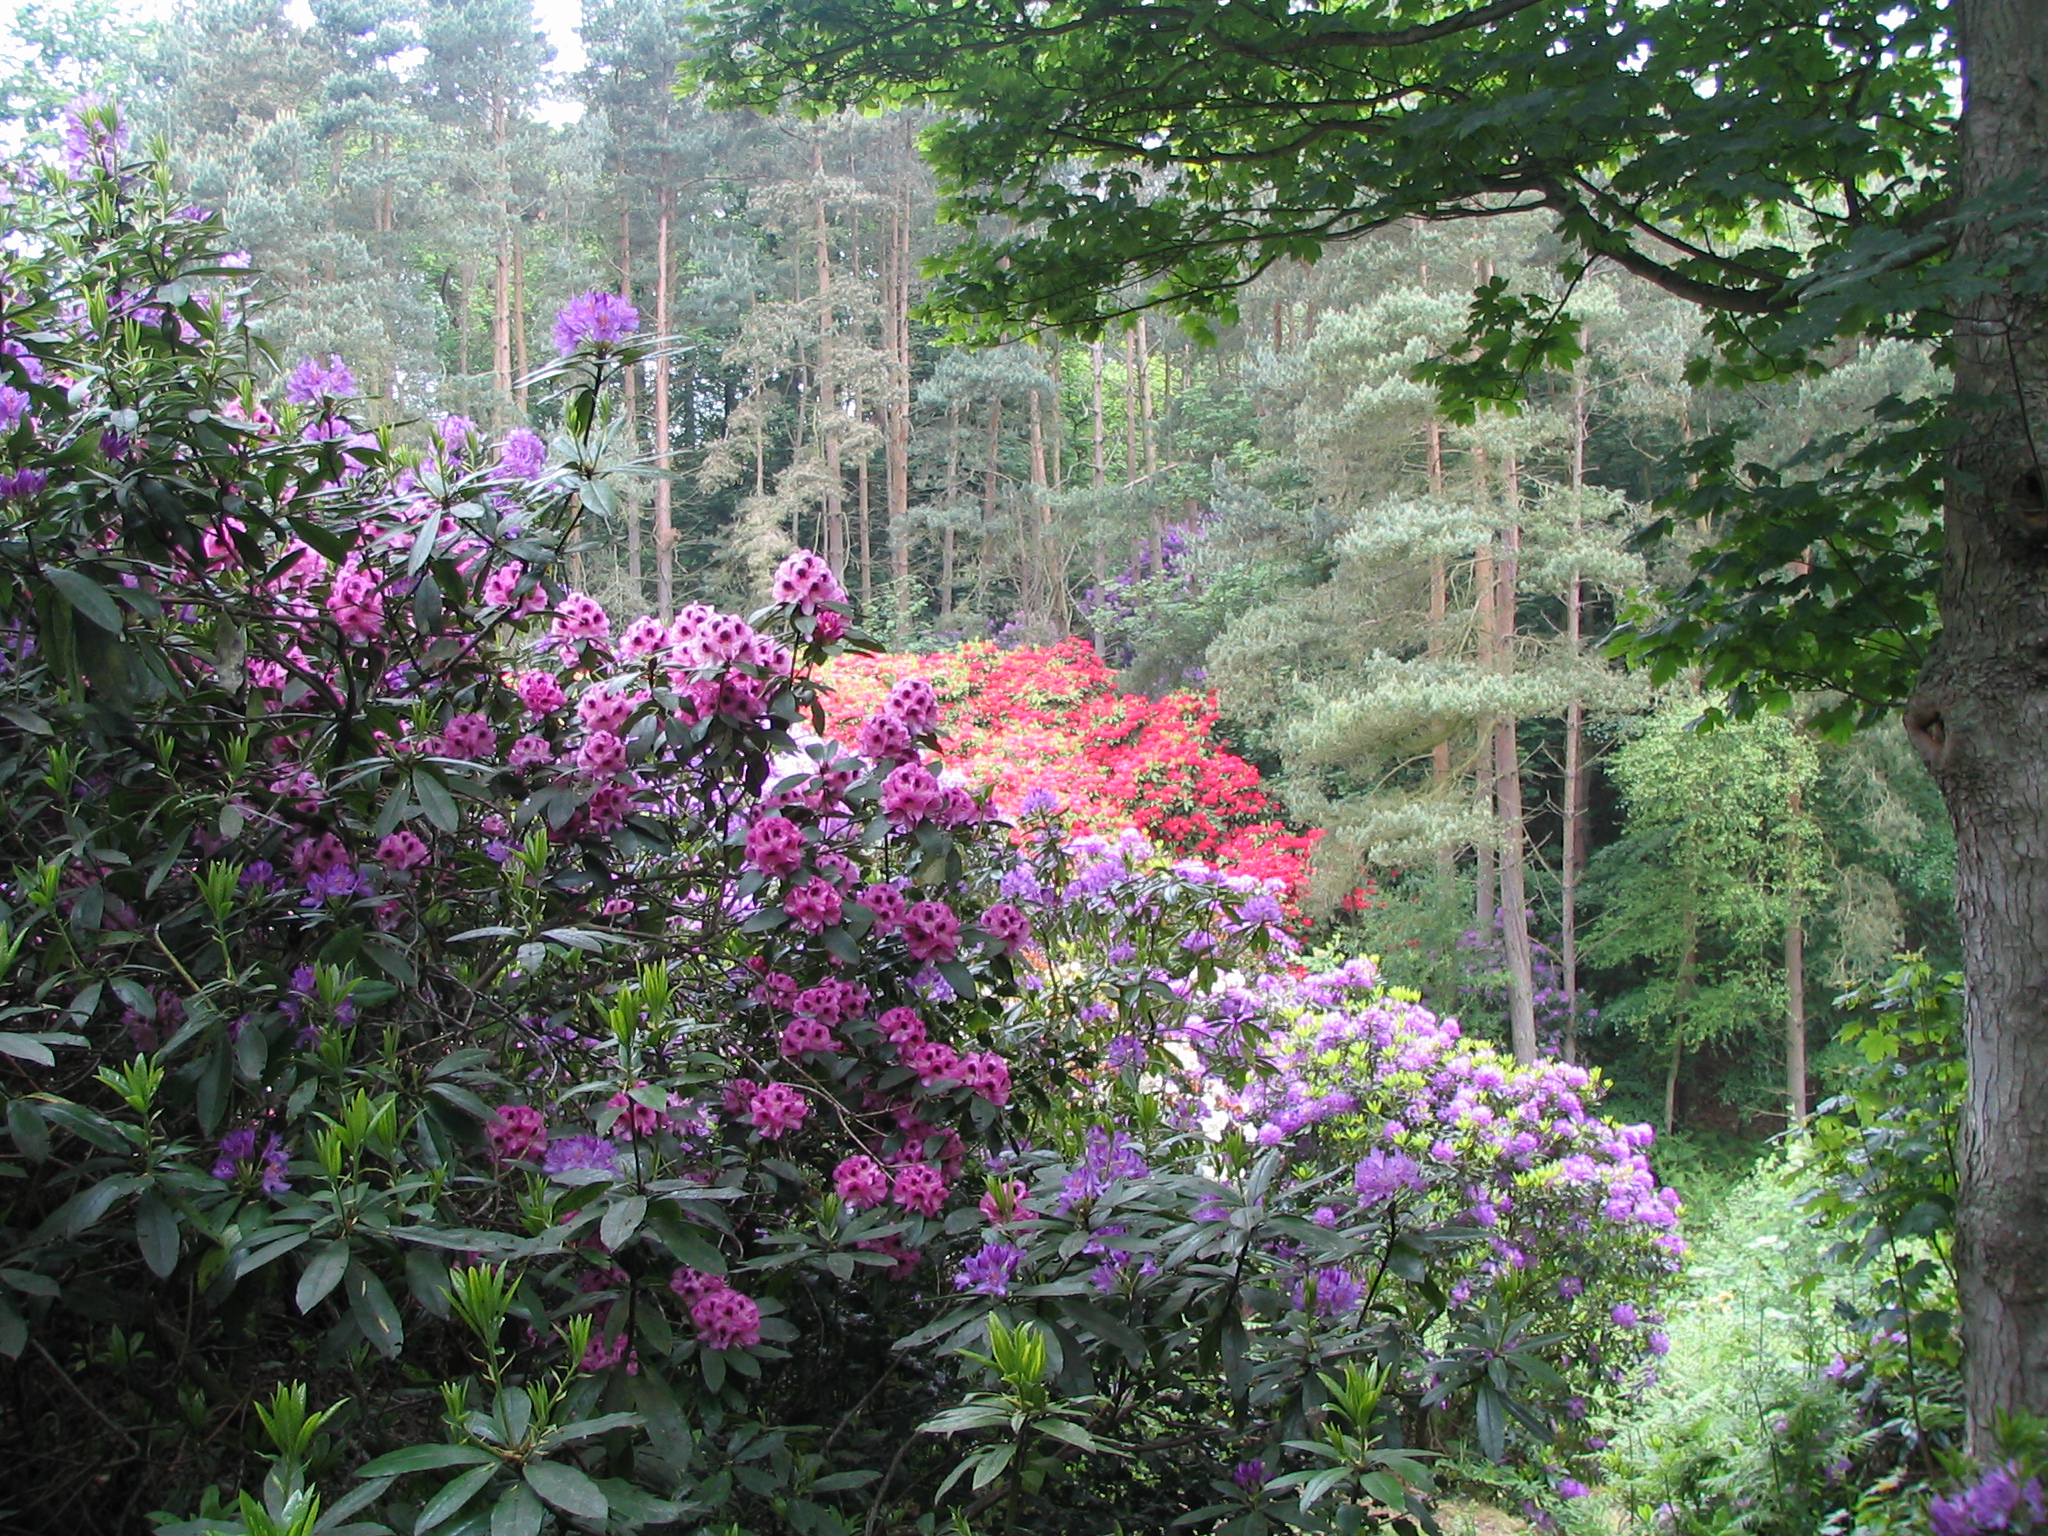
column 1507, row 778
column 664, row 515
column 1980, row 718
column 1485, row 903
column 635, row 565
column 519, row 364
column 1572, row 855
column 1439, row 606
column 896, row 464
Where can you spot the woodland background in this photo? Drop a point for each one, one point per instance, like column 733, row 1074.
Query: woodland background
column 1402, row 620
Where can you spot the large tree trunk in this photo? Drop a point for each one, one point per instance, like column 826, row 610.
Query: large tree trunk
column 1980, row 717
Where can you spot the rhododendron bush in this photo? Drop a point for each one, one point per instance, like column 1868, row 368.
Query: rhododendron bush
column 478, row 1062
column 1052, row 718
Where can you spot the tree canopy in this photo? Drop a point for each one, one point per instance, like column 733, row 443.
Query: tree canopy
column 1788, row 172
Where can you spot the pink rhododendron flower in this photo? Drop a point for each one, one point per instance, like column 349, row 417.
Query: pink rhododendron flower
column 914, row 705
column 919, row 1187
column 806, row 580
column 1006, row 925
column 861, row 1182
column 635, row 1118
column 813, row 906
column 987, row 1074
column 933, row 1061
column 725, row 1319
column 886, row 741
column 580, row 617
column 603, row 709
column 909, row 795
column 601, row 756
column 402, row 850
column 888, row 905
column 646, row 636
column 775, row 845
column 803, row 1035
column 693, row 1285
column 932, row 932
column 530, row 752
column 540, row 693
column 469, row 736
column 516, row 1132
column 902, row 1027
column 353, row 602
column 777, row 1109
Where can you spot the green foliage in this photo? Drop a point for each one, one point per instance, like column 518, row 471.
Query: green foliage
column 1884, row 1154
column 1696, row 894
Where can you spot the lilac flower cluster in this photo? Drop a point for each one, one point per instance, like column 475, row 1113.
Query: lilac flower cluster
column 597, row 320
column 1997, row 1501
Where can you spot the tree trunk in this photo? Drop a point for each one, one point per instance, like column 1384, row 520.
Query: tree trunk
column 1485, row 905
column 664, row 516
column 946, row 537
column 867, row 548
column 501, row 328
column 1572, row 855
column 988, row 507
column 1507, row 779
column 1439, row 605
column 827, row 398
column 1034, row 535
column 1795, row 1019
column 635, row 569
column 896, row 453
column 1151, row 438
column 1980, row 718
column 1131, row 407
column 519, row 364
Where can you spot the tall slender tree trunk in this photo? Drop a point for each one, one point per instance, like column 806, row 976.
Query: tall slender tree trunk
column 664, row 490
column 1980, row 718
column 1507, row 778
column 1485, row 903
column 501, row 327
column 988, row 506
column 827, row 403
column 1439, row 607
column 1145, row 415
column 867, row 548
column 635, row 563
column 1034, row 531
column 896, row 453
column 946, row 535
column 1795, row 1013
column 1131, row 460
column 1572, row 855
column 519, row 364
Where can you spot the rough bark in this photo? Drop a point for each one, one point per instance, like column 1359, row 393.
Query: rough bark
column 1980, row 718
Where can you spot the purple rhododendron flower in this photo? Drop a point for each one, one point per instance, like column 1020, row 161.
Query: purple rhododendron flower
column 599, row 320
column 991, row 1270
column 574, row 1153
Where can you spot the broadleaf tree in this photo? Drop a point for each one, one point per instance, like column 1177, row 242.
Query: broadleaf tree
column 1810, row 179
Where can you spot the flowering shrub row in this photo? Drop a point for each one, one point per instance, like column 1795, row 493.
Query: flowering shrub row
column 1052, row 718
column 509, row 1070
